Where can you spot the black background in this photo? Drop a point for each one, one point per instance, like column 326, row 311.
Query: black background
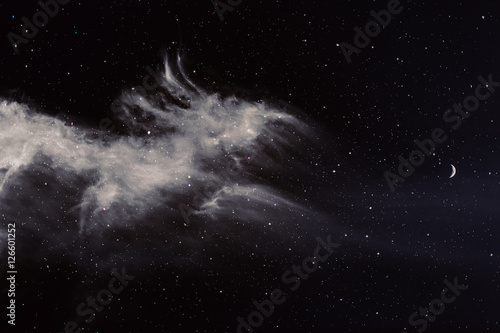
column 393, row 92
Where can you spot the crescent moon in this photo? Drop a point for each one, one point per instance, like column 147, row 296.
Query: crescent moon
column 453, row 171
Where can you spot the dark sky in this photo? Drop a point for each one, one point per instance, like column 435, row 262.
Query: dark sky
column 421, row 64
column 396, row 247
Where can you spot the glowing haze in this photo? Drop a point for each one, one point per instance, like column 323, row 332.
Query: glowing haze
column 176, row 141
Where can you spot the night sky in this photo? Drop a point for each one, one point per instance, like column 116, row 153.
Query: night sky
column 189, row 168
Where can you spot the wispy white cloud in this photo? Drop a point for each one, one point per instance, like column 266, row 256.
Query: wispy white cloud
column 184, row 138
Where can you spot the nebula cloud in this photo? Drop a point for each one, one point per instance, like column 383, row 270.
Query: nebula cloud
column 177, row 141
